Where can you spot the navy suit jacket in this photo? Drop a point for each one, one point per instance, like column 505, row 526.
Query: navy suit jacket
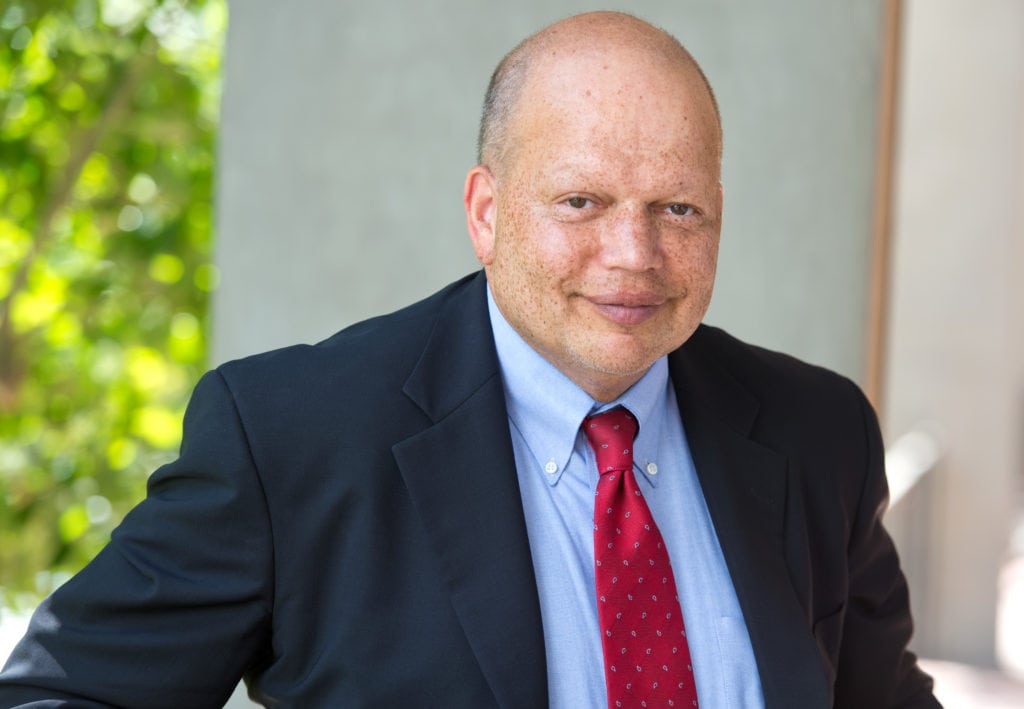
column 343, row 527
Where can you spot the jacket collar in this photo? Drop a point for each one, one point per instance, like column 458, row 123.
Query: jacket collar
column 460, row 472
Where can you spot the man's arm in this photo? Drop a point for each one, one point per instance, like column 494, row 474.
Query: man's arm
column 875, row 669
column 174, row 610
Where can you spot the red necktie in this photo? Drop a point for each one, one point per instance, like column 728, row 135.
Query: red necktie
column 647, row 660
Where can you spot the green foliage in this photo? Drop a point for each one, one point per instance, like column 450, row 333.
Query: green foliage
column 108, row 113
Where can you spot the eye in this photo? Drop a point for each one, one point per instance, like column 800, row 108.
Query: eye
column 577, row 202
column 681, row 210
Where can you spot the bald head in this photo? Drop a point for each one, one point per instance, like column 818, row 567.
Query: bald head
column 590, row 34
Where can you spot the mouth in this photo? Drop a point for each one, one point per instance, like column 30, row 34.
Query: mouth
column 627, row 309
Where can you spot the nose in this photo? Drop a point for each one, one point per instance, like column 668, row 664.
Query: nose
column 631, row 239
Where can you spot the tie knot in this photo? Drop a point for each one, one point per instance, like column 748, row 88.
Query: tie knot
column 611, row 436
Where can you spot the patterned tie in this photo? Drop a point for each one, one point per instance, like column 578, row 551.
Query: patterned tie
column 647, row 660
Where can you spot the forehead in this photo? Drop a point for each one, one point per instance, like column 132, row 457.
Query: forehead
column 589, row 111
column 623, row 92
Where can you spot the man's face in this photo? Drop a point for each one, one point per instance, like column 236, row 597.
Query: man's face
column 600, row 238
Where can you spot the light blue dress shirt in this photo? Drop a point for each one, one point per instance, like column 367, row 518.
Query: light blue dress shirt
column 557, row 479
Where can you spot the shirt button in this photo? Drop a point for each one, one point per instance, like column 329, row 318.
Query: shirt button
column 652, row 468
column 551, row 468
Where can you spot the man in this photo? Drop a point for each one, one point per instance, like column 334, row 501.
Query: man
column 404, row 515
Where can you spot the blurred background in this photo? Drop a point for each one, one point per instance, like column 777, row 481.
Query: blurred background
column 108, row 118
column 178, row 189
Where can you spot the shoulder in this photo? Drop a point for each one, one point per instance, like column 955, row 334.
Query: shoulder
column 368, row 353
column 769, row 376
column 761, row 368
column 789, row 404
column 359, row 371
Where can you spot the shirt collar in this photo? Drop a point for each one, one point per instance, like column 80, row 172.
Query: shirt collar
column 547, row 407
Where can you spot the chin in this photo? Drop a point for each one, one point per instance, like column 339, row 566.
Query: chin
column 624, row 367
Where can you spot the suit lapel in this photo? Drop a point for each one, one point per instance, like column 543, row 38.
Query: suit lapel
column 744, row 484
column 461, row 475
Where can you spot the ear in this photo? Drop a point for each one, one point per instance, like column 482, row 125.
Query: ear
column 479, row 200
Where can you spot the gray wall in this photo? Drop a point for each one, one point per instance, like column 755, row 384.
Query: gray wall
column 348, row 129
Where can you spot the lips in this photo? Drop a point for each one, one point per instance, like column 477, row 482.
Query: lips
column 627, row 309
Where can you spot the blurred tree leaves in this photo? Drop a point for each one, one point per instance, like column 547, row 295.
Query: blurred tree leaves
column 108, row 112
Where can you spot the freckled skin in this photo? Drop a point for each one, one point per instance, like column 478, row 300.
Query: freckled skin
column 599, row 228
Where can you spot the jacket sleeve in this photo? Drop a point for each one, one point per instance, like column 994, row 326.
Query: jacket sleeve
column 175, row 609
column 874, row 667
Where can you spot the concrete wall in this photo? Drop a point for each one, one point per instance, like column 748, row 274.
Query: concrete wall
column 348, row 129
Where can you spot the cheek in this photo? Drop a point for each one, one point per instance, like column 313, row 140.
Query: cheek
column 537, row 250
column 695, row 259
